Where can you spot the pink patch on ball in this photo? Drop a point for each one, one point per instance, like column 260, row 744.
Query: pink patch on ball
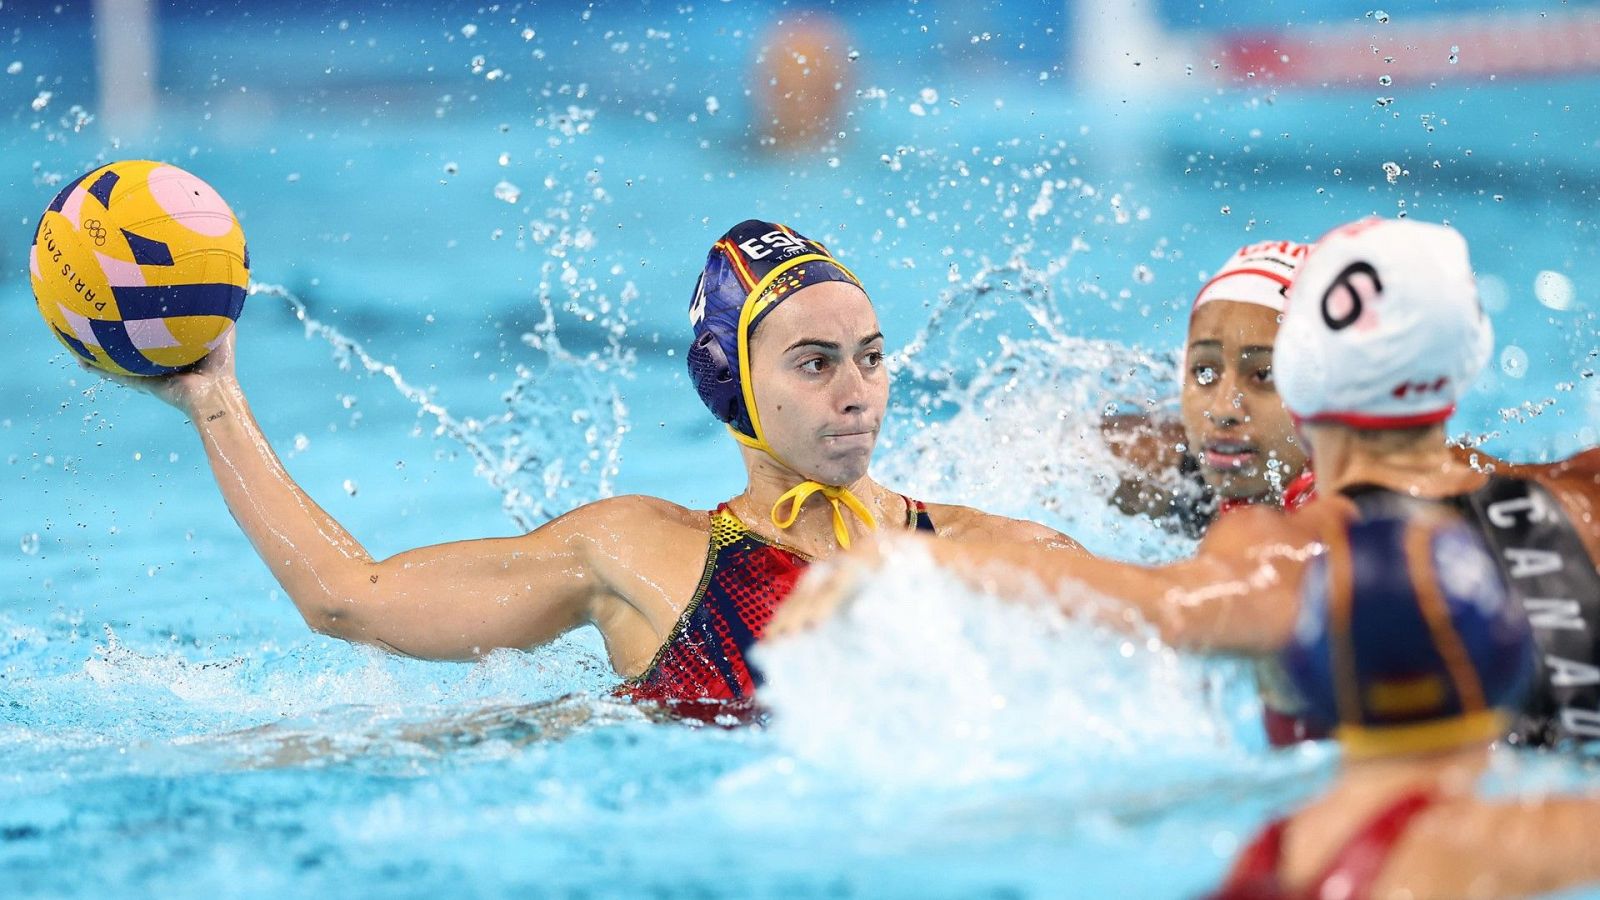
column 191, row 202
column 73, row 207
column 150, row 334
column 33, row 261
column 120, row 273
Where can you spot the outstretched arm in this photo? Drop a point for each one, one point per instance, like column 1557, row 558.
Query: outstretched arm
column 451, row 601
column 1236, row 595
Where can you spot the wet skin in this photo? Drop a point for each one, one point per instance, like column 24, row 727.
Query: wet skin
column 627, row 565
column 1233, row 420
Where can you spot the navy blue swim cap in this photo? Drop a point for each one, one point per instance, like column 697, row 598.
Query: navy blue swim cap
column 1407, row 640
column 748, row 272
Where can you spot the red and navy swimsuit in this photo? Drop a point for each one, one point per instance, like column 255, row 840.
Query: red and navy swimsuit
column 1351, row 874
column 746, row 579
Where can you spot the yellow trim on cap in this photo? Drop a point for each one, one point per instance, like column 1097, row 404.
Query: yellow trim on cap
column 1365, row 742
column 837, row 495
column 747, row 315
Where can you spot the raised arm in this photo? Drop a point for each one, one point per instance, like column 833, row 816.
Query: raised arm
column 1236, row 595
column 450, row 601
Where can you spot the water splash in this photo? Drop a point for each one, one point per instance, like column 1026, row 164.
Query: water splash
column 556, row 443
column 919, row 681
column 1007, row 405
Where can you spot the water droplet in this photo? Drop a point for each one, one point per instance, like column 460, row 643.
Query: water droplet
column 712, row 105
column 350, row 487
column 1514, row 361
column 1391, row 171
column 1455, row 54
column 469, row 30
column 928, row 95
column 1226, row 209
column 451, row 168
column 527, row 34
column 41, row 101
column 853, row 55
column 30, row 543
column 1381, row 16
column 507, row 192
column 301, row 442
column 1553, row 290
column 1143, row 275
column 1385, row 80
column 15, row 68
column 505, row 159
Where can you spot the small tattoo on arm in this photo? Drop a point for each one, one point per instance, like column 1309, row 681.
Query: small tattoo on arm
column 216, row 415
column 373, row 579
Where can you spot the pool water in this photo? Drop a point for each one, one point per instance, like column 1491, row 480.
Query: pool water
column 438, row 356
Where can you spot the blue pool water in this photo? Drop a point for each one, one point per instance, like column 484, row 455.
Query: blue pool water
column 437, row 362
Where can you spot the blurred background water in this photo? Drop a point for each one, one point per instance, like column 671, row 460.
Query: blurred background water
column 474, row 231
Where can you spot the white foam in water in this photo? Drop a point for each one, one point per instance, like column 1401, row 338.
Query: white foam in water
column 1011, row 405
column 920, row 681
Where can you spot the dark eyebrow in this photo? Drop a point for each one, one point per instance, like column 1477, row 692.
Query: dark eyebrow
column 1216, row 344
column 821, row 344
column 1257, row 348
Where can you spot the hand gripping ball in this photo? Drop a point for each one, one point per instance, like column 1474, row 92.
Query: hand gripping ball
column 139, row 268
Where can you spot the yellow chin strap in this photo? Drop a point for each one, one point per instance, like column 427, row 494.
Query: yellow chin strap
column 838, row 496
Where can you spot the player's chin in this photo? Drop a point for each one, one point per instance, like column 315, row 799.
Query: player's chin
column 845, row 466
column 1238, row 485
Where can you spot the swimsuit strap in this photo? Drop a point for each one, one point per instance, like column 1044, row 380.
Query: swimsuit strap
column 1255, row 872
column 917, row 517
column 1302, row 489
column 1364, row 856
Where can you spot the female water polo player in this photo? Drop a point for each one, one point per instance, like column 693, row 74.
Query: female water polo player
column 1407, row 646
column 1382, row 333
column 1235, row 444
column 786, row 350
column 1239, row 445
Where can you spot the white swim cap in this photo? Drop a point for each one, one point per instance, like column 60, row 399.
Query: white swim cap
column 1383, row 327
column 1259, row 273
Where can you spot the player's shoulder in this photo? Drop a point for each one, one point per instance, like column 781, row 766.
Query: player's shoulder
column 1258, row 525
column 969, row 523
column 630, row 517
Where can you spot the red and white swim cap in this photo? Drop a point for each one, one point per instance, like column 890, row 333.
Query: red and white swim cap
column 1259, row 273
column 1383, row 327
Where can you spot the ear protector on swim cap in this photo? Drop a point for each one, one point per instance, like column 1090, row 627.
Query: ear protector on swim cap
column 1407, row 640
column 749, row 271
column 1383, row 327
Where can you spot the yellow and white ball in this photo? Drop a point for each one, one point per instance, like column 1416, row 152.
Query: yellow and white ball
column 139, row 268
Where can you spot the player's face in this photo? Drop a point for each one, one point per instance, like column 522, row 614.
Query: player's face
column 1234, row 422
column 820, row 386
